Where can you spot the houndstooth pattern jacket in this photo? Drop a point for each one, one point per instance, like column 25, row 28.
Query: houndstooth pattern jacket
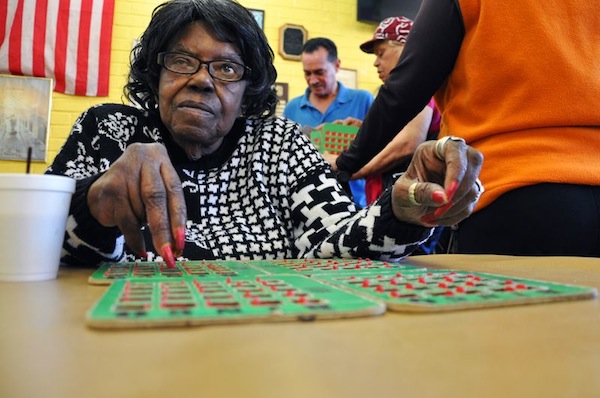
column 266, row 193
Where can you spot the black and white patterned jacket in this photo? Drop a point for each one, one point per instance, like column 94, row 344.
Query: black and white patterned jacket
column 266, row 193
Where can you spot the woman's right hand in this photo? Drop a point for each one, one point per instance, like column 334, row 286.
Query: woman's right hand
column 142, row 187
column 441, row 185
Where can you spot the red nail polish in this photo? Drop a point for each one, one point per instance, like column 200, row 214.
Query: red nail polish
column 441, row 210
column 429, row 219
column 167, row 254
column 452, row 190
column 180, row 239
column 144, row 254
column 439, row 197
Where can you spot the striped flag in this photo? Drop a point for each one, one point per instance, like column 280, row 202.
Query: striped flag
column 67, row 40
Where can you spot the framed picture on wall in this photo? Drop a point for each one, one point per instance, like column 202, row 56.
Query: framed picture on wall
column 282, row 90
column 291, row 40
column 259, row 15
column 24, row 117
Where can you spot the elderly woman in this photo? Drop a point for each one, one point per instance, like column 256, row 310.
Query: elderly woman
column 202, row 170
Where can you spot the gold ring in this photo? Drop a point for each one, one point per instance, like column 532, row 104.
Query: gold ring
column 411, row 194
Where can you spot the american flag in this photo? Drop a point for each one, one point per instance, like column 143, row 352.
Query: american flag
column 67, row 40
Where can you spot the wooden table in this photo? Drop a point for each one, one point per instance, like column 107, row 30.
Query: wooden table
column 543, row 350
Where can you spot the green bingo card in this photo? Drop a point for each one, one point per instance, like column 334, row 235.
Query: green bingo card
column 333, row 137
column 134, row 303
column 446, row 290
column 310, row 267
column 236, row 269
column 149, row 270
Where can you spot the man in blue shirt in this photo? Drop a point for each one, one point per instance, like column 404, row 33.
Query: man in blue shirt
column 326, row 99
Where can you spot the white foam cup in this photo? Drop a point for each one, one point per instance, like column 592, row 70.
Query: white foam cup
column 33, row 217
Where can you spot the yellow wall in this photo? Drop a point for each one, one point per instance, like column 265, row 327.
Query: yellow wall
column 335, row 19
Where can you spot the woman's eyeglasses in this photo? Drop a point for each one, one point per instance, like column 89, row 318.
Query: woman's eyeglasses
column 227, row 71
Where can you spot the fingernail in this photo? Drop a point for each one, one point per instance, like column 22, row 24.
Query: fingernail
column 452, row 190
column 180, row 239
column 144, row 254
column 441, row 210
column 167, row 254
column 439, row 197
column 429, row 219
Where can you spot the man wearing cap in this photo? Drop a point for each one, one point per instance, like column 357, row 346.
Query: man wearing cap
column 387, row 45
column 325, row 99
column 382, row 170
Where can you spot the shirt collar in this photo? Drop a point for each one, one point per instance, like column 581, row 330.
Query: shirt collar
column 343, row 96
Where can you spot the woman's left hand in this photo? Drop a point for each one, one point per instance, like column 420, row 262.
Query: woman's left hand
column 440, row 186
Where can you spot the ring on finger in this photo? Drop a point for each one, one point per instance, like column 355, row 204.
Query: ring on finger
column 411, row 194
column 480, row 190
column 439, row 145
column 480, row 187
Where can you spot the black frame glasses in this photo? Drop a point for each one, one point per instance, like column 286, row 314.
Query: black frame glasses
column 186, row 64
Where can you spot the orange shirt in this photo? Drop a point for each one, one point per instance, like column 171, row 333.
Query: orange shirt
column 524, row 91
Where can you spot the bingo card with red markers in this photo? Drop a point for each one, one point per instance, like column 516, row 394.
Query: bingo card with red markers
column 446, row 290
column 134, row 303
column 238, row 269
column 148, row 294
